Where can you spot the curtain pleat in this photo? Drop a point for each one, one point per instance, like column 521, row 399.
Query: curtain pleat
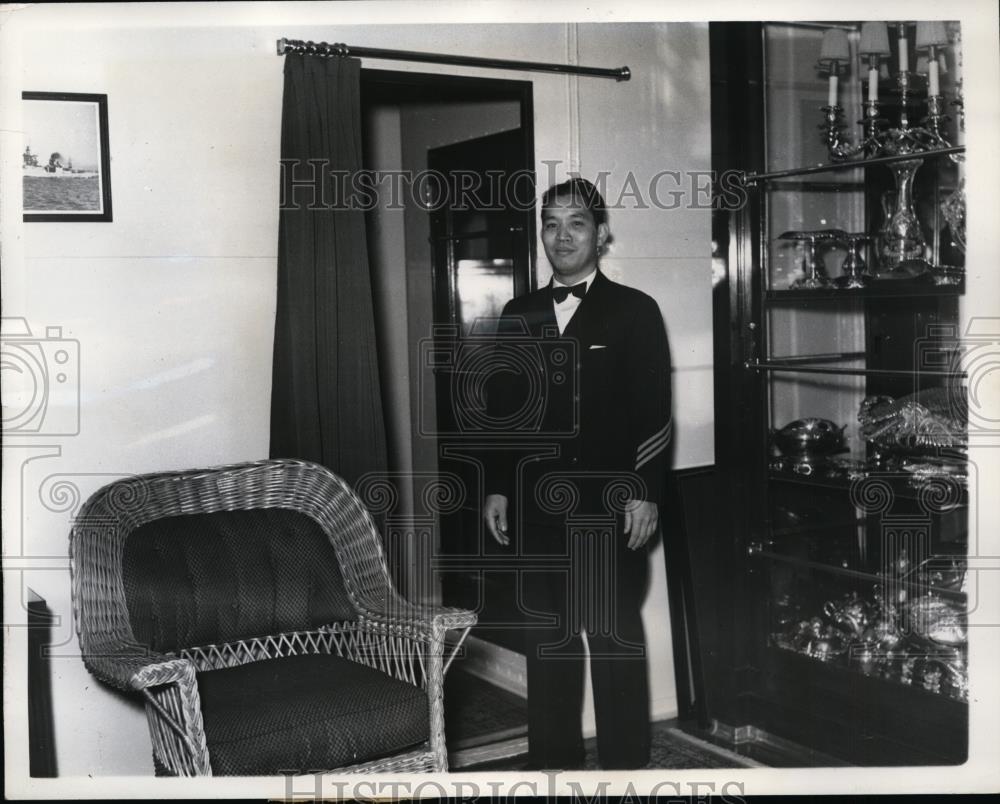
column 326, row 403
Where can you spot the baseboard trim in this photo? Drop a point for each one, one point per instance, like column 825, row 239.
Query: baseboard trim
column 780, row 751
column 737, row 760
column 498, row 736
column 498, row 665
column 493, row 752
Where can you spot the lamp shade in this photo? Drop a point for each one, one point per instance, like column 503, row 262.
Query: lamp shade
column 874, row 39
column 835, row 47
column 931, row 34
column 921, row 65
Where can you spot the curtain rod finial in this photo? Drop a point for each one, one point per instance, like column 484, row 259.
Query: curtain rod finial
column 282, row 44
column 624, row 74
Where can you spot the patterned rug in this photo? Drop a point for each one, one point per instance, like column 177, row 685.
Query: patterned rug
column 476, row 711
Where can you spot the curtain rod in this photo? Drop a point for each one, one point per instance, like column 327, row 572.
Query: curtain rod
column 338, row 49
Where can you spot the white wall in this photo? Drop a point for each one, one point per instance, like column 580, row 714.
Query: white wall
column 657, row 121
column 173, row 302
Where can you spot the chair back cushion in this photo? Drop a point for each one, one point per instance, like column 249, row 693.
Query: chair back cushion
column 210, row 578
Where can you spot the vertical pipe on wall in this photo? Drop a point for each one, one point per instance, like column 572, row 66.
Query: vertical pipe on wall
column 573, row 96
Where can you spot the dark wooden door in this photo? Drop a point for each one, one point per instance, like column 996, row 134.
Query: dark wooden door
column 482, row 232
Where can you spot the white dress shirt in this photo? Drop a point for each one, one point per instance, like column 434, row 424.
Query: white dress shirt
column 565, row 310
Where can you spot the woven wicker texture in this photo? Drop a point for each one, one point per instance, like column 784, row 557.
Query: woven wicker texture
column 381, row 630
column 309, row 711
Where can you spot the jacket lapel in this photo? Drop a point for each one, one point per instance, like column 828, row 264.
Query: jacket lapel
column 541, row 315
column 579, row 325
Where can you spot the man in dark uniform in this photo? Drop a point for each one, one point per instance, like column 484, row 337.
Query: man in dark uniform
column 583, row 490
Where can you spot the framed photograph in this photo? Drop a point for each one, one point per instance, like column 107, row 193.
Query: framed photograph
column 66, row 169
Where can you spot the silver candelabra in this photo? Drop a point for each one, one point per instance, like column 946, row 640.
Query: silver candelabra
column 901, row 240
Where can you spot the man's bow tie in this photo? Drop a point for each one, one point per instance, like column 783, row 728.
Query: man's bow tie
column 560, row 292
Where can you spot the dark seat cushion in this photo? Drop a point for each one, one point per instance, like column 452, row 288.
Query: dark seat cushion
column 306, row 713
column 198, row 579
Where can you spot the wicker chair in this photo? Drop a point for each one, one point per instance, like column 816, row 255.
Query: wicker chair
column 215, row 596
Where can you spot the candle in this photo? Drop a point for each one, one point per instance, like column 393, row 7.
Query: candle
column 904, row 56
column 932, row 76
column 835, row 51
column 873, row 83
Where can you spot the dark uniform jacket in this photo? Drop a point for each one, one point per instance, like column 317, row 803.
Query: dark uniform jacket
column 588, row 410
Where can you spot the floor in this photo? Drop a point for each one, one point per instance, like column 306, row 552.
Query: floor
column 476, row 711
column 486, row 729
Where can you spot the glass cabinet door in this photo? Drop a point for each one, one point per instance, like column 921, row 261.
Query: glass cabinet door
column 862, row 549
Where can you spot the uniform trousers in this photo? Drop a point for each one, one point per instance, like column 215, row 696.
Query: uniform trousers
column 584, row 578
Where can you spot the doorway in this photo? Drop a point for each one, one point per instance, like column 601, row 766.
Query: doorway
column 481, row 259
column 442, row 268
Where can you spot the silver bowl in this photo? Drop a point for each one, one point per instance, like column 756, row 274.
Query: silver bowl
column 809, row 438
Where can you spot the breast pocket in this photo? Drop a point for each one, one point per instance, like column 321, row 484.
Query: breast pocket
column 598, row 363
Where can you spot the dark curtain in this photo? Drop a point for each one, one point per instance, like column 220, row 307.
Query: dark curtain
column 326, row 404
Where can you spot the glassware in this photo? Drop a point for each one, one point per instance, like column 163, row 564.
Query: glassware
column 815, row 271
column 855, row 270
column 953, row 209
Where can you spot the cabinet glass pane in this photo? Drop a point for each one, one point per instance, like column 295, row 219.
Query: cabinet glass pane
column 875, row 591
column 820, row 341
column 886, row 630
column 863, row 201
column 795, row 92
column 857, row 572
column 794, row 96
column 797, row 209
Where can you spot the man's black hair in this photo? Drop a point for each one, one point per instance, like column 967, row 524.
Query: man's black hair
column 581, row 190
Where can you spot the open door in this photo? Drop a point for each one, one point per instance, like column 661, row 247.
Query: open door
column 481, row 241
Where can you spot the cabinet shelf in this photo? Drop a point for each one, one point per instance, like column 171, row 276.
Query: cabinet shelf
column 910, row 581
column 899, row 485
column 797, row 364
column 885, row 289
column 810, row 529
column 848, row 164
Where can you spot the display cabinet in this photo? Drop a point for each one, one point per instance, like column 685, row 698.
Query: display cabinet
column 840, row 403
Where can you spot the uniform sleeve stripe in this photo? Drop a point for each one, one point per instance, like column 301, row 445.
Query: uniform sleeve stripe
column 652, row 450
column 649, row 456
column 642, row 452
column 655, row 437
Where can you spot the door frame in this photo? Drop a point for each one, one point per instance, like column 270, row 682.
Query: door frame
column 394, row 87
column 462, row 87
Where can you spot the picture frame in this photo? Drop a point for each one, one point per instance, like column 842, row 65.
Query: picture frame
column 67, row 159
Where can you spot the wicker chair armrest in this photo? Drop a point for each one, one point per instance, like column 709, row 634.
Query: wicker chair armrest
column 428, row 620
column 138, row 668
column 430, row 623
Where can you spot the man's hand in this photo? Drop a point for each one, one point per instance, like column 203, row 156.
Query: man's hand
column 495, row 514
column 641, row 518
